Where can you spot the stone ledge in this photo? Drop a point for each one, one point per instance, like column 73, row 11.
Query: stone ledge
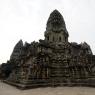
column 68, row 84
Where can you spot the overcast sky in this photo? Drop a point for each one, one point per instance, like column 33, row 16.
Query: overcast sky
column 26, row 20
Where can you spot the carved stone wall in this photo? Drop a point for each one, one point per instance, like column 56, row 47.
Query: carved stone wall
column 53, row 61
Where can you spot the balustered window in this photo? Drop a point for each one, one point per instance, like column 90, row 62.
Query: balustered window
column 53, row 38
column 59, row 39
column 48, row 38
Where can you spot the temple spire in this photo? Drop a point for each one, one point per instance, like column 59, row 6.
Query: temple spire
column 56, row 29
column 17, row 50
column 56, row 22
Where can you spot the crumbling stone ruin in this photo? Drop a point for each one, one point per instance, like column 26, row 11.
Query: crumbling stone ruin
column 53, row 61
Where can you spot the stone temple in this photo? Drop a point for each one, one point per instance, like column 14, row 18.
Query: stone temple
column 53, row 61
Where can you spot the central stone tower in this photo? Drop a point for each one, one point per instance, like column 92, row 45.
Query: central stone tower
column 56, row 31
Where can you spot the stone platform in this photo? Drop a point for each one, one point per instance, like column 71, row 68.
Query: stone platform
column 77, row 83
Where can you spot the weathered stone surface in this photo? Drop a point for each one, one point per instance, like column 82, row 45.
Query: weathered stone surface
column 53, row 61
